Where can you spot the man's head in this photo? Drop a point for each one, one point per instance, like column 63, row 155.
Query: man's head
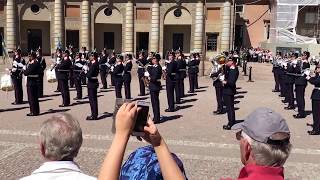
column 264, row 138
column 60, row 138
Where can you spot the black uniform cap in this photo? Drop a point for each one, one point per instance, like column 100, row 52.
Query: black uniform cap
column 33, row 54
column 94, row 54
column 120, row 57
column 67, row 52
column 157, row 57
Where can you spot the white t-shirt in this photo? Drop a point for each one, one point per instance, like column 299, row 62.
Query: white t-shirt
column 58, row 170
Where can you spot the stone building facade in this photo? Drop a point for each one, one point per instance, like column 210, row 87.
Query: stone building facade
column 203, row 26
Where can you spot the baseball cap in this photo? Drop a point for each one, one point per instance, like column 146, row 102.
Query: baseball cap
column 262, row 124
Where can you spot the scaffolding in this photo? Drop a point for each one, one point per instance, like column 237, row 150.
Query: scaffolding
column 284, row 15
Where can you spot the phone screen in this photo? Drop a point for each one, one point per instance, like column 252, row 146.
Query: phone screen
column 142, row 118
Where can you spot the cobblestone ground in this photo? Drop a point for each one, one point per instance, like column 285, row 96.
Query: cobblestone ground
column 193, row 133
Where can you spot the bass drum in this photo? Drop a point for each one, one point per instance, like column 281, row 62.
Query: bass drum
column 6, row 83
column 51, row 76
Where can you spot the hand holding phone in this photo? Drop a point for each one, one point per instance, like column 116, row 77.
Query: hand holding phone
column 142, row 118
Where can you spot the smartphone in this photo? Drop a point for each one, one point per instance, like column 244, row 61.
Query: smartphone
column 142, row 118
column 118, row 103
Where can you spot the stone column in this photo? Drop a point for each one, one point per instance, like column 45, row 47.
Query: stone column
column 198, row 30
column 155, row 27
column 11, row 25
column 85, row 24
column 59, row 23
column 128, row 46
column 226, row 25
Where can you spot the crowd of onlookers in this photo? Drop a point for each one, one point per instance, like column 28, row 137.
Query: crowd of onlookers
column 264, row 140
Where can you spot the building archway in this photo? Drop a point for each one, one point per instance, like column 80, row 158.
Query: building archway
column 35, row 20
column 177, row 29
column 108, row 29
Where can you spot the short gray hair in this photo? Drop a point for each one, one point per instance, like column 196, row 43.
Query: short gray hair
column 267, row 154
column 61, row 136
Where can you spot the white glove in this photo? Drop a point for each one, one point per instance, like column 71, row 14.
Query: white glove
column 307, row 72
column 221, row 78
column 13, row 69
column 164, row 68
column 85, row 68
column 20, row 65
column 79, row 65
column 15, row 63
column 146, row 74
column 112, row 68
column 24, row 67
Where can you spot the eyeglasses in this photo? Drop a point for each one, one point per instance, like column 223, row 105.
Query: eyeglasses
column 239, row 135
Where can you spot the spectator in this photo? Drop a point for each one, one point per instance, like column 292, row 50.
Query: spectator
column 264, row 145
column 60, row 141
column 143, row 164
column 125, row 121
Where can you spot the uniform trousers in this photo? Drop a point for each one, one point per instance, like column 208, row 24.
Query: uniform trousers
column 300, row 92
column 93, row 99
column 127, row 88
column 64, row 88
column 219, row 97
column 77, row 83
column 155, row 105
column 32, row 91
column 229, row 101
column 103, row 76
column 192, row 79
column 170, row 94
column 18, row 90
column 316, row 114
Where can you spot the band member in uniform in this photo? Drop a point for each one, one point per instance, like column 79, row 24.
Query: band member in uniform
column 181, row 70
column 196, row 84
column 63, row 69
column 43, row 64
column 112, row 61
column 117, row 72
column 142, row 62
column 84, row 58
column 301, row 84
column 229, row 90
column 127, row 76
column 155, row 73
column 218, row 85
column 93, row 84
column 16, row 76
column 104, row 69
column 315, row 98
column 289, row 81
column 71, row 57
column 171, row 70
column 77, row 75
column 32, row 71
column 192, row 71
column 276, row 73
column 58, row 61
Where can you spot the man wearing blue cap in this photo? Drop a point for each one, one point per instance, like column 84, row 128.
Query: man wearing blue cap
column 265, row 146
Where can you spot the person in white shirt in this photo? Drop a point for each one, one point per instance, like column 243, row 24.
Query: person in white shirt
column 60, row 141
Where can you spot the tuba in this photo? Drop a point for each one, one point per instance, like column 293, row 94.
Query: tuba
column 218, row 62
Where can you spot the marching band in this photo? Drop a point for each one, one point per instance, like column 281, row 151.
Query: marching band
column 291, row 75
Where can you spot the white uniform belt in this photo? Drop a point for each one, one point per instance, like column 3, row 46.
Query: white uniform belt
column 93, row 78
column 120, row 74
column 63, row 70
column 128, row 71
column 140, row 67
column 172, row 74
column 182, row 70
column 33, row 76
column 318, row 88
column 158, row 80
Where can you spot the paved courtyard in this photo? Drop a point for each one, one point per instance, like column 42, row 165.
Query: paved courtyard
column 193, row 133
